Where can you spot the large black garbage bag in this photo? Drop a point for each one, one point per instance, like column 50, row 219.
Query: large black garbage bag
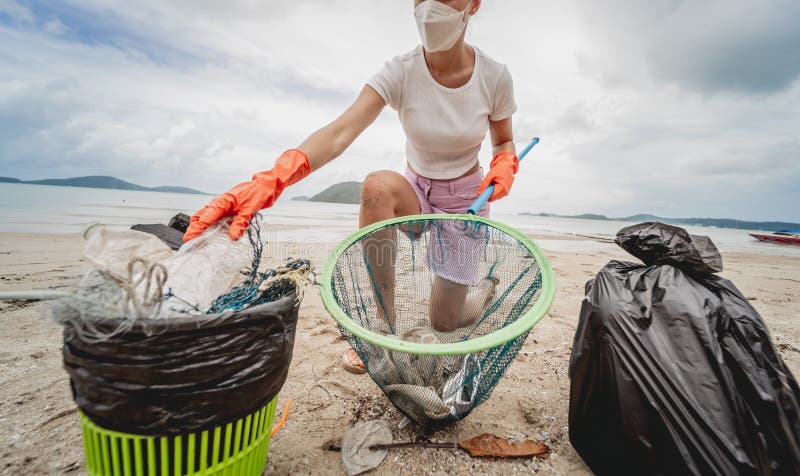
column 673, row 371
column 184, row 374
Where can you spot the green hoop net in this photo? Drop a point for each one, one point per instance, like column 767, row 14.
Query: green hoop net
column 437, row 307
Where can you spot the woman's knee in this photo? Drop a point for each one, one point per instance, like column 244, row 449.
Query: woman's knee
column 381, row 189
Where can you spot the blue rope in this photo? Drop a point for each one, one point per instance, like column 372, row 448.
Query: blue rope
column 246, row 293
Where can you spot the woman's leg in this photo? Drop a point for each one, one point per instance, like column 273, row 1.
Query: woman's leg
column 385, row 194
column 458, row 294
column 447, row 304
column 455, row 305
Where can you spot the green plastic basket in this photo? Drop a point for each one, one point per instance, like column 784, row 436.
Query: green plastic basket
column 236, row 448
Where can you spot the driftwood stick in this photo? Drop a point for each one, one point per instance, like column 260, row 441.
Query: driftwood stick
column 421, row 442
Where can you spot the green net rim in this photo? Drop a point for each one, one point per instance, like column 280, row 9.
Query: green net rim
column 493, row 339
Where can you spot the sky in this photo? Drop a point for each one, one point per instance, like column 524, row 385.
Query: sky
column 676, row 108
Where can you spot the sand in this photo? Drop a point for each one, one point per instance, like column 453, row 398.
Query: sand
column 40, row 434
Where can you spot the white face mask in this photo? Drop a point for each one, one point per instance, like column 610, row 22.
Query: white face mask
column 440, row 25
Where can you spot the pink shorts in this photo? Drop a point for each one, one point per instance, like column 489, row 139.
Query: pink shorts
column 454, row 247
column 447, row 196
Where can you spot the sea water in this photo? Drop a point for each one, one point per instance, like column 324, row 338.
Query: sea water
column 53, row 209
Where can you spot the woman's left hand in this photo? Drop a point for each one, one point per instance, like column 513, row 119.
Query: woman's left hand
column 501, row 174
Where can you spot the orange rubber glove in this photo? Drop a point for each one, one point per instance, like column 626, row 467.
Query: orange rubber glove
column 245, row 199
column 501, row 174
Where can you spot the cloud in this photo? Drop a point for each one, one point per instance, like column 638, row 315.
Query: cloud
column 709, row 47
column 15, row 11
column 55, row 27
column 675, row 108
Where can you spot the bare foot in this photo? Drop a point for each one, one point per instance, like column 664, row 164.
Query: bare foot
column 352, row 362
column 477, row 300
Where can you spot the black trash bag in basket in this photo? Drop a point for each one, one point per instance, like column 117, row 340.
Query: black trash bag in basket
column 183, row 374
column 673, row 371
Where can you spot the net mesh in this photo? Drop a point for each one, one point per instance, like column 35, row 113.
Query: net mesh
column 436, row 281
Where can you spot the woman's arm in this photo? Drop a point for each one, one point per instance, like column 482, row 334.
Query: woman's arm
column 321, row 147
column 502, row 136
column 329, row 142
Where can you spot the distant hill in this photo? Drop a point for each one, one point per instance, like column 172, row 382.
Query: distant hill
column 713, row 222
column 174, row 189
column 102, row 181
column 344, row 192
column 590, row 216
column 300, row 198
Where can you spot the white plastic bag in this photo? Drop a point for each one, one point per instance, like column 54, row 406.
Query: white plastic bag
column 204, row 268
column 111, row 251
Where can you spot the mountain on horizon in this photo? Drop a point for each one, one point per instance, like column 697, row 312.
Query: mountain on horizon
column 343, row 192
column 712, row 222
column 102, row 181
column 350, row 193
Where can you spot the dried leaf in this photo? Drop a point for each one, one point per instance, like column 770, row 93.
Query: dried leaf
column 491, row 445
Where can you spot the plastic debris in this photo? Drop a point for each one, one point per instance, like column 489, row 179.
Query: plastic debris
column 205, row 268
column 357, row 456
column 284, row 416
column 112, row 251
column 425, row 398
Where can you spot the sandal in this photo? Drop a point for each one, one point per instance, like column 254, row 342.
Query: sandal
column 352, row 362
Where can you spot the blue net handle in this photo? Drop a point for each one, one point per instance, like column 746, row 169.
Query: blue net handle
column 484, row 197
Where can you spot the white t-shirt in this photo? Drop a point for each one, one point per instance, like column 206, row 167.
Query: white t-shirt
column 444, row 126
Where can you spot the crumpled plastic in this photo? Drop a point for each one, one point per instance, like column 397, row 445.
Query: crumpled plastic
column 673, row 371
column 429, row 387
column 176, row 376
column 357, row 457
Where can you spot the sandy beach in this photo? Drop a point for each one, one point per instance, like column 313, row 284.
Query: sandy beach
column 40, row 433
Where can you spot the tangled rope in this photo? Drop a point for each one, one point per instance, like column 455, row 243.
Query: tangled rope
column 267, row 286
column 104, row 299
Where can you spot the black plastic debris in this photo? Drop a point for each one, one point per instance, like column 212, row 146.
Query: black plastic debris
column 673, row 371
column 180, row 222
column 172, row 234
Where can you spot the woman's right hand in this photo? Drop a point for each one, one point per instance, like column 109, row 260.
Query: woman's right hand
column 245, row 199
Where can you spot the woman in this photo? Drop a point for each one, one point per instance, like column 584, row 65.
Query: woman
column 447, row 94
